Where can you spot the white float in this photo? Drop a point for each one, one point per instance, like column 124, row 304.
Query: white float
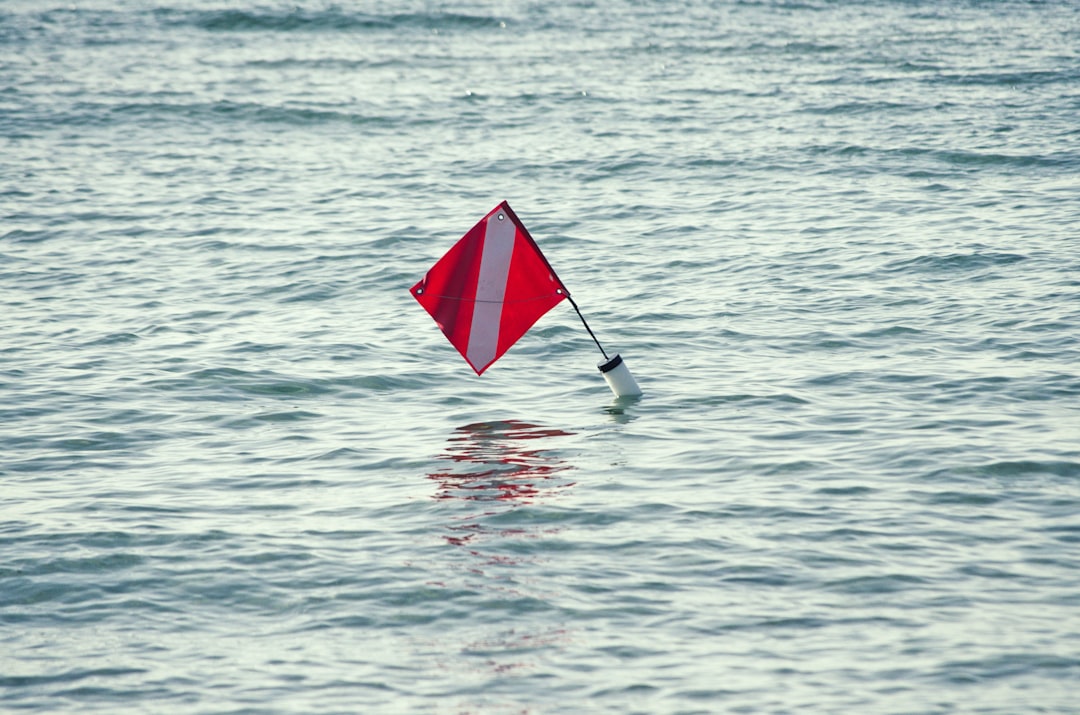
column 618, row 377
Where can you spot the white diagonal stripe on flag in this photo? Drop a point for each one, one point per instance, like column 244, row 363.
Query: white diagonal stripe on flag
column 490, row 289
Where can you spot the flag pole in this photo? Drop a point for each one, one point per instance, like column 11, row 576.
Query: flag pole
column 615, row 372
column 591, row 334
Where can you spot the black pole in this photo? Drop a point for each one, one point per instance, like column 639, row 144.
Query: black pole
column 587, row 326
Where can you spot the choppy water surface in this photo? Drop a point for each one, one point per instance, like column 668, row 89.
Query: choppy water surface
column 242, row 471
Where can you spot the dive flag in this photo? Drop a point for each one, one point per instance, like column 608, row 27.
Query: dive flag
column 490, row 288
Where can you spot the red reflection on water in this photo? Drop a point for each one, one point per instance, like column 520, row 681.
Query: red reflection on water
column 496, row 461
column 492, row 474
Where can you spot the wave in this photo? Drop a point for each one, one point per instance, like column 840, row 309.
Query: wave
column 333, row 20
column 155, row 112
column 955, row 158
column 862, row 107
column 95, row 27
column 955, row 262
column 1032, row 78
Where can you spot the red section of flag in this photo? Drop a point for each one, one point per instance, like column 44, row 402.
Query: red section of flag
column 490, row 288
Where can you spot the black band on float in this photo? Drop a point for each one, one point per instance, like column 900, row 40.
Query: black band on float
column 611, row 364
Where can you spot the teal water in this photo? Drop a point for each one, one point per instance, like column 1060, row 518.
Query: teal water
column 243, row 472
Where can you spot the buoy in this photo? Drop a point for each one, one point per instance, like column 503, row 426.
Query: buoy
column 618, row 377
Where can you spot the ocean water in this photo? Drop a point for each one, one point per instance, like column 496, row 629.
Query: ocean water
column 241, row 470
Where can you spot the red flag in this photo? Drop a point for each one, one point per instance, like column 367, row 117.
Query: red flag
column 490, row 288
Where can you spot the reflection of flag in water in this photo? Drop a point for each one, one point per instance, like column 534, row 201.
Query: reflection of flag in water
column 494, row 461
column 489, row 475
column 490, row 288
